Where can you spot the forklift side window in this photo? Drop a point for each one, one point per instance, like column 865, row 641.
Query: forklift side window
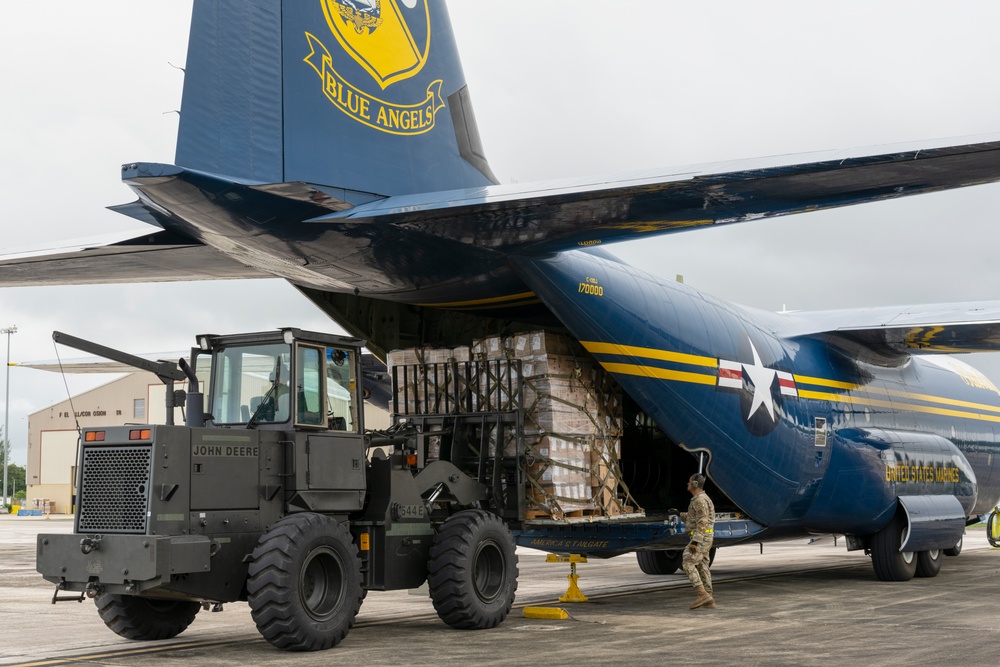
column 309, row 387
column 340, row 390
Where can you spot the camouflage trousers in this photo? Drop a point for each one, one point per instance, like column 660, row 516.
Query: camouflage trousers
column 695, row 564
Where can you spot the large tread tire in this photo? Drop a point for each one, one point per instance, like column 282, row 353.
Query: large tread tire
column 888, row 562
column 957, row 549
column 145, row 619
column 659, row 562
column 472, row 572
column 304, row 584
column 928, row 563
column 711, row 555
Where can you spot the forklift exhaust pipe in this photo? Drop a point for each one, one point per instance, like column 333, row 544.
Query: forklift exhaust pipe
column 194, row 402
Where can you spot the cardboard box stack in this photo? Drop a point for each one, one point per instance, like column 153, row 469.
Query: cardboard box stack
column 572, row 422
column 44, row 505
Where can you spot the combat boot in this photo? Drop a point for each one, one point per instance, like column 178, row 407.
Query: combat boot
column 704, row 599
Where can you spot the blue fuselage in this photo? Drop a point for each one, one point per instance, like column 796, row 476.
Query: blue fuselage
column 801, row 432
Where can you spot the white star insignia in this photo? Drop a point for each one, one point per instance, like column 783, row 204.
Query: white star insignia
column 762, row 379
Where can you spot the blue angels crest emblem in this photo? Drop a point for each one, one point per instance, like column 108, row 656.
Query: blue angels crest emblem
column 390, row 39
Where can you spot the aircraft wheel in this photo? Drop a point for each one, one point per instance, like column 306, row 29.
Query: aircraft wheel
column 304, row 585
column 659, row 562
column 957, row 549
column 711, row 555
column 145, row 619
column 889, row 562
column 472, row 573
column 993, row 529
column 928, row 563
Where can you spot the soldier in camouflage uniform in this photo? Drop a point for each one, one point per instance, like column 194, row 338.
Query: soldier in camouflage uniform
column 700, row 520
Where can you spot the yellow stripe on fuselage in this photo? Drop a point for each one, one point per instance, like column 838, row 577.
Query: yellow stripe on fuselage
column 649, row 353
column 853, row 393
column 878, row 403
column 660, row 373
column 908, row 396
column 823, row 382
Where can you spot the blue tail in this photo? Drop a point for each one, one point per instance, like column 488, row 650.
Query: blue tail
column 366, row 95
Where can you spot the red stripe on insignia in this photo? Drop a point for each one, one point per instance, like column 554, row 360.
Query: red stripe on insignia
column 730, row 374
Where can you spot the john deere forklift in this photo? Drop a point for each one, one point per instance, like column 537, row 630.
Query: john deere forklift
column 273, row 492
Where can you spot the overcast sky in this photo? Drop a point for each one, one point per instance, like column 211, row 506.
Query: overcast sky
column 561, row 88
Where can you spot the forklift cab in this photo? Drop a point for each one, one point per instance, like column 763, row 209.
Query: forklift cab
column 286, row 379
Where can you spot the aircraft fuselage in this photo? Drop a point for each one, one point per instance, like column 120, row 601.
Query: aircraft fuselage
column 815, row 432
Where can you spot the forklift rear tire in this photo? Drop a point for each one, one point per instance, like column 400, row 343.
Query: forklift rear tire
column 304, row 584
column 145, row 619
column 659, row 562
column 472, row 573
column 889, row 563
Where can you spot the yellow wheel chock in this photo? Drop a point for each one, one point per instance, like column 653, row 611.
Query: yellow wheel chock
column 573, row 593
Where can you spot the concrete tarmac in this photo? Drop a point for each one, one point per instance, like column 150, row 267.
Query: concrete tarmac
column 795, row 604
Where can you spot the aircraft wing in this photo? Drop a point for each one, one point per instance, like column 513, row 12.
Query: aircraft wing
column 545, row 217
column 929, row 329
column 514, row 219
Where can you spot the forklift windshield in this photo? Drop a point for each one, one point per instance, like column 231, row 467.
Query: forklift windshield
column 251, row 384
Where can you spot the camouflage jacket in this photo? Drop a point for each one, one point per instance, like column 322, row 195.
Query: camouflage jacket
column 701, row 518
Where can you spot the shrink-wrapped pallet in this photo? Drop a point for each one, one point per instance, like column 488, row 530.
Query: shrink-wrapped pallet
column 572, row 425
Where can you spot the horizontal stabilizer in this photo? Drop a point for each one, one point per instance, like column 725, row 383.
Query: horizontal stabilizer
column 158, row 257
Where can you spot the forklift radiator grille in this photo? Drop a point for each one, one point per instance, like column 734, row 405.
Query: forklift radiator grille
column 114, row 494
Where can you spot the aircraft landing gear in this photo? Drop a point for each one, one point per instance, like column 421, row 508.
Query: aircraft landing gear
column 889, row 562
column 928, row 563
column 957, row 549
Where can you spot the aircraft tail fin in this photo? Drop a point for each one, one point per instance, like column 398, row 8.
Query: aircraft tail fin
column 366, row 95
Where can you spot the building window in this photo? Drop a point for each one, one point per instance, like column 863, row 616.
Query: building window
column 139, row 408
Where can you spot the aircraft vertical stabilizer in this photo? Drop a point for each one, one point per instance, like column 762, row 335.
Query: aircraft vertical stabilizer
column 362, row 96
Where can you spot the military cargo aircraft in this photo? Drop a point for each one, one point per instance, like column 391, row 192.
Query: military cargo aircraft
column 333, row 143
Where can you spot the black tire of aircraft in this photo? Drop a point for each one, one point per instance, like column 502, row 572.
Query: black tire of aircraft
column 304, row 584
column 889, row 563
column 928, row 563
column 145, row 619
column 472, row 572
column 957, row 549
column 659, row 562
column 665, row 562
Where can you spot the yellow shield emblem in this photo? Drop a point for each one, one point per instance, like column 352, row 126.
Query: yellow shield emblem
column 379, row 35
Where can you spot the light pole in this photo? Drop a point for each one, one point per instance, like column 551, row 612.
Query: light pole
column 6, row 416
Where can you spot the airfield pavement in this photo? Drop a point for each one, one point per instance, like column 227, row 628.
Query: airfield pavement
column 795, row 604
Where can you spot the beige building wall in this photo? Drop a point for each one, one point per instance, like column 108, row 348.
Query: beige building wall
column 52, row 432
column 53, row 439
